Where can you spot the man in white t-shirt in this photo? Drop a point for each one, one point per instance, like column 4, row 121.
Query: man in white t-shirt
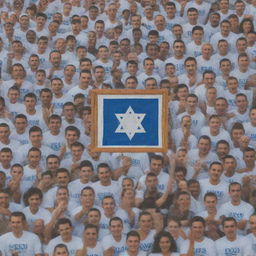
column 197, row 244
column 231, row 243
column 236, row 208
column 18, row 241
column 115, row 242
column 252, row 236
column 73, row 243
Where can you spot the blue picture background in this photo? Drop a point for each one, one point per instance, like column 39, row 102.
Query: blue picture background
column 139, row 106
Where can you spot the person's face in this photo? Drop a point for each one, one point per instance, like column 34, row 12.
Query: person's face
column 18, row 72
column 194, row 189
column 86, row 173
column 204, row 146
column 229, row 164
column 61, row 251
column 222, row 150
column 207, row 51
column 229, row 229
column 24, row 21
column 69, row 112
column 62, row 178
column 247, row 26
column 241, row 46
column 191, row 67
column 85, row 79
column 42, row 44
column 99, row 28
column 182, row 93
column 103, row 53
column 223, row 47
column 46, row 98
column 71, row 137
column 112, row 10
column 156, row 166
column 170, row 10
column 149, row 66
column 198, row 35
column 17, row 224
column 210, row 203
column 56, row 86
column 133, row 243
column 173, row 228
column 108, row 205
column 164, row 244
column 53, row 27
column 220, row 106
column 34, row 62
column 31, row 37
column 192, row 17
column 211, row 93
column 179, row 49
column 151, row 182
column 93, row 217
column 214, row 20
column 40, row 21
column 225, row 28
column 87, row 197
column 77, row 152
column 215, row 125
column 249, row 156
column 235, row 193
column 160, row 22
column 69, row 71
column 55, row 59
column 67, row 9
column 152, row 51
column 30, row 103
column 127, row 184
column 232, row 85
column 136, row 21
column 52, row 164
column 146, row 222
column 90, row 235
column 191, row 103
column 54, row 125
column 47, row 179
column 239, row 7
column 164, row 48
column 116, row 228
column 198, row 229
column 13, row 95
column 183, row 202
column 243, row 62
column 5, row 158
column 215, row 172
column 17, row 48
column 253, row 117
column 34, row 157
column 17, row 172
column 65, row 231
column 34, row 201
column 4, row 200
column 4, row 133
column 104, row 175
column 225, row 67
column 151, row 84
column 177, row 31
column 224, row 4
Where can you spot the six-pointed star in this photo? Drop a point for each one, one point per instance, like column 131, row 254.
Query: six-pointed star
column 130, row 123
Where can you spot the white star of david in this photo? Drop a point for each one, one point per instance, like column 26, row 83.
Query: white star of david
column 130, row 123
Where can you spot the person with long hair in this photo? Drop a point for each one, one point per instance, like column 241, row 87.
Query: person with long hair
column 164, row 245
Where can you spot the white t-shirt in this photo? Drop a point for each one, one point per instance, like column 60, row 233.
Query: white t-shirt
column 75, row 244
column 204, row 248
column 119, row 246
column 26, row 245
column 147, row 243
column 220, row 190
column 239, row 247
column 96, row 251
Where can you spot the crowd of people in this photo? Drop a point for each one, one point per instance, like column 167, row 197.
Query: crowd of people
column 59, row 197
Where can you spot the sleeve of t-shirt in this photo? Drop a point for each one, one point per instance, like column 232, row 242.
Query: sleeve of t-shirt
column 184, row 248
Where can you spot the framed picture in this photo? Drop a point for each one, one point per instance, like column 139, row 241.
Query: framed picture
column 129, row 120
